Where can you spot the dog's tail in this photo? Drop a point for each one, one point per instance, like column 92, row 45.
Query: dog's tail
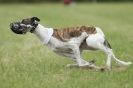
column 107, row 44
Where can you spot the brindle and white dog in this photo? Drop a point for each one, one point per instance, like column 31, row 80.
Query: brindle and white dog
column 69, row 42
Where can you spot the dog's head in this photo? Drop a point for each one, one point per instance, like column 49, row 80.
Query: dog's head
column 26, row 25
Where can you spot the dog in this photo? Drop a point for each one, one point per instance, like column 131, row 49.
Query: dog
column 69, row 42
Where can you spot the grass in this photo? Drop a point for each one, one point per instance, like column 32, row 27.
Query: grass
column 26, row 63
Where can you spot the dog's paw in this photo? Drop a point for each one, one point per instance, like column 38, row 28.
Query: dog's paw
column 104, row 69
column 71, row 65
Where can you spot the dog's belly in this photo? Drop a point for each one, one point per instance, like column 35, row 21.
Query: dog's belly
column 84, row 46
column 63, row 51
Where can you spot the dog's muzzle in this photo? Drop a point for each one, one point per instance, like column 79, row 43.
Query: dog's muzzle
column 19, row 28
column 16, row 28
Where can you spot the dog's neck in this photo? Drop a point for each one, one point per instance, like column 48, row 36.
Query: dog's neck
column 43, row 33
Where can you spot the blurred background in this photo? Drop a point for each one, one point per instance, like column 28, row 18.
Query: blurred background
column 65, row 1
column 26, row 63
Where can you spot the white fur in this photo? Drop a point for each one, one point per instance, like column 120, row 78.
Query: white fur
column 94, row 39
column 43, row 33
column 71, row 48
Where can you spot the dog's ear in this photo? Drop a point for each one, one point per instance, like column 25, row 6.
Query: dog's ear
column 35, row 19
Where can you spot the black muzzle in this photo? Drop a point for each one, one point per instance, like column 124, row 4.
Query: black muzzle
column 16, row 28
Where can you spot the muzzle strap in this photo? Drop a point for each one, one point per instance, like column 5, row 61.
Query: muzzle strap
column 33, row 28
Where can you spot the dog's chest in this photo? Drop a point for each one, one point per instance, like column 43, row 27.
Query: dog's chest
column 60, row 48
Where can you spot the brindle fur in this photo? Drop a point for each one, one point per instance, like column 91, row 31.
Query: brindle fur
column 65, row 34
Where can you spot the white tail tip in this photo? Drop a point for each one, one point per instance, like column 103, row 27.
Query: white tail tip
column 129, row 63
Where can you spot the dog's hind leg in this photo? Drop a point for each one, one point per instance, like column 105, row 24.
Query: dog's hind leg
column 106, row 43
column 110, row 55
column 107, row 51
column 82, row 63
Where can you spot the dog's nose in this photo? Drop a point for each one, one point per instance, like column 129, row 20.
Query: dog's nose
column 14, row 26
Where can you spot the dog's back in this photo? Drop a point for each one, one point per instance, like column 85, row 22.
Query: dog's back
column 68, row 33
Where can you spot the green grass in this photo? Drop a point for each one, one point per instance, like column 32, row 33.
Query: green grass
column 26, row 63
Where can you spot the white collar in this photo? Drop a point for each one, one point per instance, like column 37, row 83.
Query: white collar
column 43, row 33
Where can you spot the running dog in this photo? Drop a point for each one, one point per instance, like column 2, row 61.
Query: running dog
column 69, row 42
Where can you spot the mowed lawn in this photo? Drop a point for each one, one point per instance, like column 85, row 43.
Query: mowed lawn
column 26, row 63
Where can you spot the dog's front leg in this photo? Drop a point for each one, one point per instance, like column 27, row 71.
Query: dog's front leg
column 74, row 44
column 79, row 60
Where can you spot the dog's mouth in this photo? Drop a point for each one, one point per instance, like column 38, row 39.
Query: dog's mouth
column 20, row 28
column 24, row 26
